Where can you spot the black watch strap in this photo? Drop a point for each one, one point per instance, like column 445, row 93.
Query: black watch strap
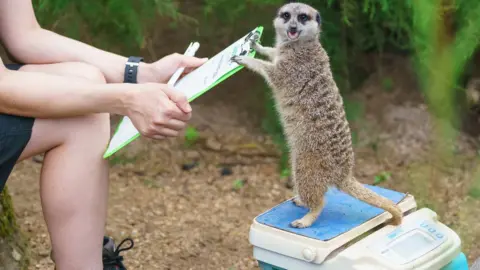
column 131, row 69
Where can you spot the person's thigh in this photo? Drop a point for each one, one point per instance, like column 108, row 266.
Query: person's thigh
column 24, row 137
column 49, row 133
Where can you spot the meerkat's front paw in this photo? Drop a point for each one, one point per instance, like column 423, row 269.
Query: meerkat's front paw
column 239, row 59
column 254, row 41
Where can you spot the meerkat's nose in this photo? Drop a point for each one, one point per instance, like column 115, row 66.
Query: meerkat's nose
column 293, row 29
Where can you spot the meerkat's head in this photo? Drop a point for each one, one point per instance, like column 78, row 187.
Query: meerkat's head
column 297, row 21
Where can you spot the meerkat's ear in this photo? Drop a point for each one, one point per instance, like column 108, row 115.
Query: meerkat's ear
column 318, row 18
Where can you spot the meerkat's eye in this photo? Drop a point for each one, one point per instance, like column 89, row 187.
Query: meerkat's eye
column 303, row 17
column 285, row 16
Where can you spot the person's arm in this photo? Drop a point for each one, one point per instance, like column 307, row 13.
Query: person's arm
column 27, row 42
column 43, row 95
column 155, row 109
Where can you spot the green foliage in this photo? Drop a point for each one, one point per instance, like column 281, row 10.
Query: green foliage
column 238, row 184
column 106, row 23
column 354, row 110
column 8, row 223
column 285, row 173
column 191, row 136
column 442, row 49
column 442, row 53
column 474, row 192
column 382, row 177
column 231, row 13
column 121, row 159
column 10, row 232
column 387, row 84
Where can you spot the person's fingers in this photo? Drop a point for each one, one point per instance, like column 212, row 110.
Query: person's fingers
column 175, row 124
column 190, row 61
column 179, row 99
column 158, row 137
column 166, row 132
column 161, row 132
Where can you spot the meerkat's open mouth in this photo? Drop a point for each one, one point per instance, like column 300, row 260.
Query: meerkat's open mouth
column 293, row 33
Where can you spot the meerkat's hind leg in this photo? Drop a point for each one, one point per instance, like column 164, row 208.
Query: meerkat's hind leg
column 310, row 217
column 298, row 202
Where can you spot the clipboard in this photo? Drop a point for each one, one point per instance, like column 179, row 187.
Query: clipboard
column 193, row 85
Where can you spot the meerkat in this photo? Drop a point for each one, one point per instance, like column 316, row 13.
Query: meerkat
column 311, row 111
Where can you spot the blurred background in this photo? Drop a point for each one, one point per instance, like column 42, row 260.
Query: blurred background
column 409, row 72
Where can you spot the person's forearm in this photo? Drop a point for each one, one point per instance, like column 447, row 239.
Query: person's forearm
column 42, row 46
column 42, row 95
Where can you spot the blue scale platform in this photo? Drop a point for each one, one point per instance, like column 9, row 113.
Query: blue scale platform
column 341, row 213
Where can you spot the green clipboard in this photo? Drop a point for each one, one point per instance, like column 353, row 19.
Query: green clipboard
column 222, row 68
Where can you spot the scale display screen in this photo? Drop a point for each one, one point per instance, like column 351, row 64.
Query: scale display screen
column 411, row 245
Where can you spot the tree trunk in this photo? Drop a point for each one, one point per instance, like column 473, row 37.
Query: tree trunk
column 13, row 244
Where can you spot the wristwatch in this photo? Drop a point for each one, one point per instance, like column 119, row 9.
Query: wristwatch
column 131, row 69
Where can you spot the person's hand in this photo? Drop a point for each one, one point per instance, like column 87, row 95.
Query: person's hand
column 162, row 70
column 157, row 110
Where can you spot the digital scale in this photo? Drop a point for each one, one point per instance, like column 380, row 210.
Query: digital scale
column 353, row 235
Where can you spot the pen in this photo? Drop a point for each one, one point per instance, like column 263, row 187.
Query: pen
column 191, row 50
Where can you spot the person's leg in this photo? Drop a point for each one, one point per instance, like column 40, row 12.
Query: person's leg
column 74, row 177
column 73, row 186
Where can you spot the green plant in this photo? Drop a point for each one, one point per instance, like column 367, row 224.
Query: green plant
column 354, row 110
column 191, row 136
column 121, row 159
column 285, row 172
column 106, row 23
column 382, row 177
column 238, row 184
column 474, row 192
column 387, row 84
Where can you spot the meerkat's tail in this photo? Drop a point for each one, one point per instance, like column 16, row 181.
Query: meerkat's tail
column 357, row 190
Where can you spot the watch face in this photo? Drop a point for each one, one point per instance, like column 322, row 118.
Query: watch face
column 135, row 59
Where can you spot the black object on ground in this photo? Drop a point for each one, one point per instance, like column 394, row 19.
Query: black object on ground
column 226, row 171
column 189, row 166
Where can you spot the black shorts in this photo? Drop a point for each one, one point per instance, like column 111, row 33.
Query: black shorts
column 15, row 132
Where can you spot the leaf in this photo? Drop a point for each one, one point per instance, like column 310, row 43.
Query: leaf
column 285, row 173
column 238, row 184
column 191, row 135
column 382, row 177
column 474, row 192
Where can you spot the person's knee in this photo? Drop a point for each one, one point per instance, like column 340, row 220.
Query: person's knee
column 99, row 125
column 90, row 132
column 89, row 72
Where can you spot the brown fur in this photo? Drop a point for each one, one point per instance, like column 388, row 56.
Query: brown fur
column 312, row 113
